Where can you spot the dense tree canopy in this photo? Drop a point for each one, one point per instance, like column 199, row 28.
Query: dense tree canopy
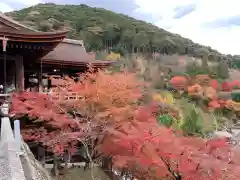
column 102, row 29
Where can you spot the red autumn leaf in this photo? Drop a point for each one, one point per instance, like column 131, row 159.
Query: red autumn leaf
column 234, row 83
column 214, row 104
column 159, row 148
column 179, row 82
column 226, row 87
column 214, row 84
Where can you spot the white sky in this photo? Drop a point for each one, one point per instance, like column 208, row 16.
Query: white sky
column 4, row 7
column 225, row 40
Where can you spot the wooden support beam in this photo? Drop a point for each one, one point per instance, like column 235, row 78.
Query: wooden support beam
column 11, row 80
column 40, row 84
column 19, row 74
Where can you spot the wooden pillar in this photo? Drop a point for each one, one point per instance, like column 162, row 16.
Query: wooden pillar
column 26, row 80
column 19, row 74
column 11, row 76
column 39, row 84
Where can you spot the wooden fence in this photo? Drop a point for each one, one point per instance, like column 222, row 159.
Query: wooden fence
column 68, row 96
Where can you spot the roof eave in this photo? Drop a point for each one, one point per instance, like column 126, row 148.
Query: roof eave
column 14, row 24
column 35, row 37
column 71, row 63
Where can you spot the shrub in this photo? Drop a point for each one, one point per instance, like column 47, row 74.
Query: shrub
column 45, row 26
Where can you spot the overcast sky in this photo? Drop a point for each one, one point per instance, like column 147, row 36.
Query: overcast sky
column 214, row 23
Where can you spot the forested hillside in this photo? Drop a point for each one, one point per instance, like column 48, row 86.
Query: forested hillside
column 101, row 29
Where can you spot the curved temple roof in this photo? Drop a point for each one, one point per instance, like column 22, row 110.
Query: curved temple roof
column 18, row 32
column 16, row 25
column 68, row 52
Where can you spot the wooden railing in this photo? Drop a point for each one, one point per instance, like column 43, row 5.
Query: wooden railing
column 68, row 96
column 10, row 163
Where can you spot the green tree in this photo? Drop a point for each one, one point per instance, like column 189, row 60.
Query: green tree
column 109, row 35
column 203, row 53
column 128, row 38
column 222, row 70
column 193, row 123
column 108, row 28
column 151, row 37
column 140, row 41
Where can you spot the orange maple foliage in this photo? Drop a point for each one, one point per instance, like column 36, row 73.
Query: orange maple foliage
column 203, row 79
column 105, row 97
column 210, row 93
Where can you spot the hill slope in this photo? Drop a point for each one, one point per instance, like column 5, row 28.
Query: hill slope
column 101, row 29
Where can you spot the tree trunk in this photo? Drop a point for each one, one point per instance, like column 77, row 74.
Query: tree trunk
column 107, row 168
column 66, row 159
column 55, row 166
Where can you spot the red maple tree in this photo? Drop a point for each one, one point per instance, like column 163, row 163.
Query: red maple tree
column 152, row 151
column 105, row 100
column 131, row 136
column 50, row 125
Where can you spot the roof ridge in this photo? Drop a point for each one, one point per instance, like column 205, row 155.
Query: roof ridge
column 73, row 41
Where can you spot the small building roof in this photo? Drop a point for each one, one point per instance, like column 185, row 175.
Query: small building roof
column 72, row 52
column 73, row 41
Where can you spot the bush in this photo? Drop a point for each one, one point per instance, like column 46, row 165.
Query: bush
column 193, row 124
column 45, row 26
column 57, row 25
column 193, row 69
column 222, row 70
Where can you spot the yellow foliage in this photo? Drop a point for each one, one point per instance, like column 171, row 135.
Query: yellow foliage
column 168, row 98
column 113, row 56
column 157, row 97
column 233, row 105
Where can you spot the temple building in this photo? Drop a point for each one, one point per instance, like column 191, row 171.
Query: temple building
column 28, row 56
